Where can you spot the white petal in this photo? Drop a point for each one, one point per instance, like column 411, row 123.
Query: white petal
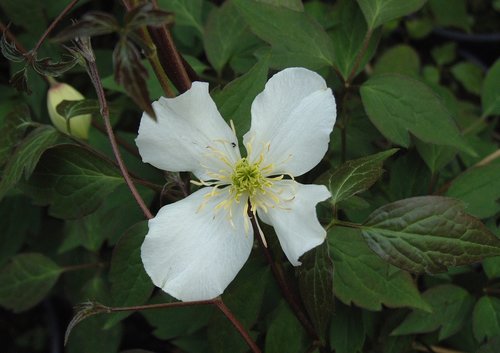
column 192, row 253
column 295, row 220
column 187, row 130
column 295, row 115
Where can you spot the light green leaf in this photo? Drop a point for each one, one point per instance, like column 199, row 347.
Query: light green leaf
column 73, row 180
column 187, row 12
column 357, row 175
column 400, row 59
column 295, row 38
column 490, row 96
column 444, row 54
column 398, row 104
column 469, row 75
column 479, row 188
column 285, row 333
column 130, row 284
column 26, row 280
column 428, row 234
column 347, row 333
column 26, row 156
column 348, row 35
column 378, row 12
column 224, row 33
column 451, row 306
column 486, row 318
column 235, row 100
column 316, row 287
column 364, row 279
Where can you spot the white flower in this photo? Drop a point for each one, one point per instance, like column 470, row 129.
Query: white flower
column 196, row 246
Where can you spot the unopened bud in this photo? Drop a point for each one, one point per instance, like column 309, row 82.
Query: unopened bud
column 78, row 125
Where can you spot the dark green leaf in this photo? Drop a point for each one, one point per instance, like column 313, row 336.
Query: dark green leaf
column 146, row 15
column 469, row 75
column 187, row 12
column 490, row 96
column 296, row 39
column 445, row 54
column 479, row 188
column 400, row 59
column 73, row 180
column 486, row 318
column 436, row 157
column 26, row 280
column 130, row 284
column 316, row 287
column 348, row 37
column 347, row 333
column 9, row 50
column 132, row 75
column 378, row 12
column 451, row 306
column 46, row 67
column 357, row 175
column 428, row 234
column 364, row 279
column 224, row 33
column 92, row 24
column 450, row 16
column 235, row 99
column 290, row 4
column 12, row 130
column 20, row 80
column 25, row 157
column 70, row 109
column 285, row 333
column 398, row 104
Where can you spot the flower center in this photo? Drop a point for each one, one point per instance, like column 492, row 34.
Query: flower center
column 247, row 178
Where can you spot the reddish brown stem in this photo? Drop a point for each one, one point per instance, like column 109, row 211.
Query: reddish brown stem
column 279, row 275
column 96, row 80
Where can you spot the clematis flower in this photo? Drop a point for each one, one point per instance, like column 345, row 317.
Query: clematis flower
column 195, row 247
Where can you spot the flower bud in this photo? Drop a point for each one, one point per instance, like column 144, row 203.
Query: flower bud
column 78, row 125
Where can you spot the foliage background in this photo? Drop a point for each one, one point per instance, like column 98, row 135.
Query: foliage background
column 422, row 76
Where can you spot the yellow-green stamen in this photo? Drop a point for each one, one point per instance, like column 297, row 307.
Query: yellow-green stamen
column 247, row 178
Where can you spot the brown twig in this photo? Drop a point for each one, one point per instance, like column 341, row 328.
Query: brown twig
column 96, row 80
column 279, row 275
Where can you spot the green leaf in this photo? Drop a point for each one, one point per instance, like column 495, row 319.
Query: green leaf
column 398, row 104
column 285, row 333
column 290, row 4
column 490, row 96
column 73, row 180
column 187, row 12
column 23, row 218
column 146, row 15
column 378, row 12
column 25, row 158
column 450, row 16
column 70, row 109
column 235, row 100
column 428, row 234
column 224, row 33
column 130, row 284
column 316, row 287
column 47, row 67
column 400, row 59
column 348, row 37
column 347, row 333
column 26, row 280
column 244, row 298
column 469, row 75
column 295, row 38
column 436, row 157
column 486, row 318
column 357, row 175
column 364, row 279
column 444, row 54
column 12, row 130
column 479, row 188
column 451, row 306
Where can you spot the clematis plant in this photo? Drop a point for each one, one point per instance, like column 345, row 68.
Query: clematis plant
column 195, row 247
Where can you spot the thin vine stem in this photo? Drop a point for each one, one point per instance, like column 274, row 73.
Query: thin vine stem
column 279, row 276
column 96, row 80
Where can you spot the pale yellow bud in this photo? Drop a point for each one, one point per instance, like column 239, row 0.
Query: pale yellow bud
column 79, row 125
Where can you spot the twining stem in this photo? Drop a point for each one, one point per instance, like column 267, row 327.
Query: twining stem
column 52, row 25
column 279, row 276
column 96, row 80
column 217, row 302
